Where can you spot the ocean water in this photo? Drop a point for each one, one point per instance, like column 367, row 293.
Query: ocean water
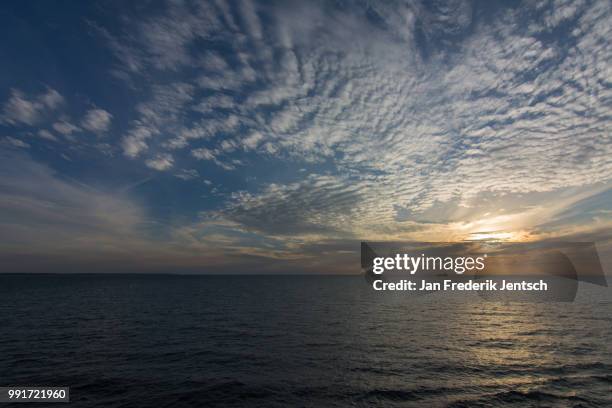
column 277, row 341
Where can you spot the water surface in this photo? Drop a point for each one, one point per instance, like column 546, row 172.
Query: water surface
column 252, row 341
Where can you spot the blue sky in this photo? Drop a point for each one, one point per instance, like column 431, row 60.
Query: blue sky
column 272, row 136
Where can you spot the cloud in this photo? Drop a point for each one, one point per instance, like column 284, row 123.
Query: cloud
column 45, row 134
column 421, row 108
column 187, row 174
column 163, row 113
column 97, row 120
column 46, row 109
column 252, row 142
column 161, row 162
column 136, row 140
column 318, row 205
column 43, row 213
column 105, row 148
column 65, row 128
column 203, row 153
column 161, row 42
column 50, row 224
column 20, row 109
column 14, row 142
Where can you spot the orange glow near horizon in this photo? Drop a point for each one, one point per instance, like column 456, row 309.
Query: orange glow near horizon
column 492, row 236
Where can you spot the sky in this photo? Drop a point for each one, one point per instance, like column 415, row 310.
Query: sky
column 269, row 137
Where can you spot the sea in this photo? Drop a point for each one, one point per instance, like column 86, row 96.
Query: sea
column 297, row 341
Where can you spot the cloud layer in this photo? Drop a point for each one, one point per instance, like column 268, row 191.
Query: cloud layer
column 419, row 104
column 432, row 120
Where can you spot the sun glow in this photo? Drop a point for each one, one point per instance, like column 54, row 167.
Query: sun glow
column 492, row 236
column 499, row 228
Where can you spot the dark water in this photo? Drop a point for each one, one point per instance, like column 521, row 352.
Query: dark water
column 172, row 341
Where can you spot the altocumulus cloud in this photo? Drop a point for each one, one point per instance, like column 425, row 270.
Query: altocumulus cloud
column 161, row 162
column 97, row 120
column 439, row 102
column 20, row 109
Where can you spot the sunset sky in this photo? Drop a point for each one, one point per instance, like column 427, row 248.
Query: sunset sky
column 274, row 136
